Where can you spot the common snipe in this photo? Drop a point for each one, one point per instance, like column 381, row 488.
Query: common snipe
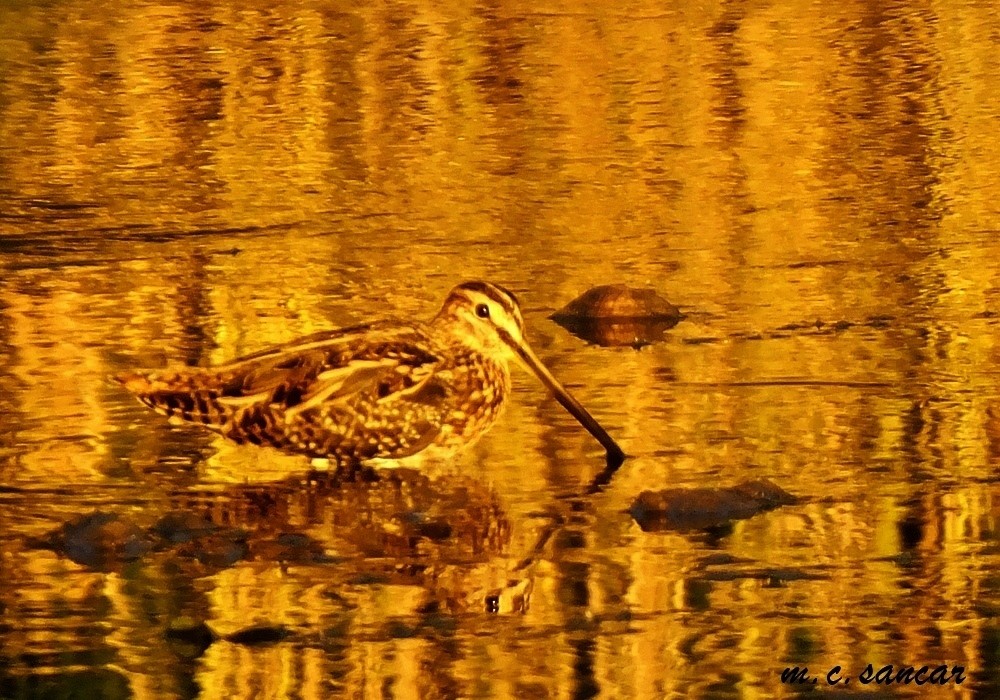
column 386, row 390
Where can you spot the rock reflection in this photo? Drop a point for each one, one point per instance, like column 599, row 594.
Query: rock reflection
column 634, row 333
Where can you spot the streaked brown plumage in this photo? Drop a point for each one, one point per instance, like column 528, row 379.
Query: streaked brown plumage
column 384, row 390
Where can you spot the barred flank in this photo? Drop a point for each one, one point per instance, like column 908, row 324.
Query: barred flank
column 192, row 395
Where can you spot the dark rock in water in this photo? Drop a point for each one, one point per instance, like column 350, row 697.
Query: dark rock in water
column 290, row 547
column 400, row 629
column 99, row 540
column 626, row 333
column 699, row 508
column 191, row 633
column 259, row 634
column 218, row 550
column 617, row 315
column 177, row 527
column 618, row 301
column 418, row 524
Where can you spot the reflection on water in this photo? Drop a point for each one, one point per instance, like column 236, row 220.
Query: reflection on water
column 814, row 185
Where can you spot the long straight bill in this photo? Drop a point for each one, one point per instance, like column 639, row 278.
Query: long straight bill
column 532, row 363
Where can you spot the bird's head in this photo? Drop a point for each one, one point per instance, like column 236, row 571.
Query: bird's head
column 487, row 318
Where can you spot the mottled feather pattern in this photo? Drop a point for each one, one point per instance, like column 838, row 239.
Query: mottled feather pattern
column 190, row 394
column 377, row 391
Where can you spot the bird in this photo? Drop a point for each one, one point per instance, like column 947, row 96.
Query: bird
column 380, row 392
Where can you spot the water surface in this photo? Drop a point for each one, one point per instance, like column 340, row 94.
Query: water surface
column 815, row 184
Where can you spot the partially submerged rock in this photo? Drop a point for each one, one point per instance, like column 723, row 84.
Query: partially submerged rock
column 192, row 633
column 259, row 634
column 699, row 508
column 107, row 541
column 217, row 550
column 619, row 301
column 615, row 314
column 99, row 540
column 634, row 334
column 290, row 547
column 179, row 526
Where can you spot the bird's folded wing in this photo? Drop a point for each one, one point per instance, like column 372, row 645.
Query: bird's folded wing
column 297, row 379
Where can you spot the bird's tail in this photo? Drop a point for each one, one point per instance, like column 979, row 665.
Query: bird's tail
column 189, row 393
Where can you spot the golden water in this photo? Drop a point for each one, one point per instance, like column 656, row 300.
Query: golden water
column 188, row 182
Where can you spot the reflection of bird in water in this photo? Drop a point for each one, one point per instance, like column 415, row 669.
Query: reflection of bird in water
column 447, row 534
column 385, row 390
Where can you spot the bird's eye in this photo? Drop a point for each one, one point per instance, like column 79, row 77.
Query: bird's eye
column 482, row 311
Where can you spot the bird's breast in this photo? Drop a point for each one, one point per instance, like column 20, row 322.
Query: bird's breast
column 480, row 389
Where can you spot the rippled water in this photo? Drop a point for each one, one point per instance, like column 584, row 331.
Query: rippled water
column 814, row 184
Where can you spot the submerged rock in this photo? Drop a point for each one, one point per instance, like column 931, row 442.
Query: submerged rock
column 194, row 634
column 618, row 315
column 99, row 540
column 107, row 541
column 177, row 527
column 259, row 634
column 290, row 547
column 217, row 550
column 698, row 508
column 627, row 333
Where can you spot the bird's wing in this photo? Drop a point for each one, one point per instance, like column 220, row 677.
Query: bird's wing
column 388, row 359
column 346, row 378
